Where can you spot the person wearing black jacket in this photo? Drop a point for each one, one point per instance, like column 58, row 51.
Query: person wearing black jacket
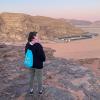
column 38, row 59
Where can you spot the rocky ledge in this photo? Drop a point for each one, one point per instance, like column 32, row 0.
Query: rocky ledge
column 63, row 79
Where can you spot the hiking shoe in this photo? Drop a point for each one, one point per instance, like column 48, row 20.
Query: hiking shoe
column 41, row 91
column 31, row 92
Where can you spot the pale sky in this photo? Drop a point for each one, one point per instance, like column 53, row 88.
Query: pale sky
column 69, row 9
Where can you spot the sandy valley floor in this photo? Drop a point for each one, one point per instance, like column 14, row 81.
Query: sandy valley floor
column 81, row 49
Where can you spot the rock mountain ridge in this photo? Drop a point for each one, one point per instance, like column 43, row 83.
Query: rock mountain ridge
column 16, row 26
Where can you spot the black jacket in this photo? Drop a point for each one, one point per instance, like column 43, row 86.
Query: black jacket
column 38, row 54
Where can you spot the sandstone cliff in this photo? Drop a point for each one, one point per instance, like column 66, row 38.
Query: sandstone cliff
column 16, row 26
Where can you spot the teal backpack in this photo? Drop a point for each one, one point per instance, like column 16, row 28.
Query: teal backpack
column 28, row 60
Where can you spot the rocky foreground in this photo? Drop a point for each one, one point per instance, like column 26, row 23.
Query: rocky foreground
column 63, row 79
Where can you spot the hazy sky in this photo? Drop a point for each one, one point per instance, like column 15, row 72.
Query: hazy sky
column 79, row 9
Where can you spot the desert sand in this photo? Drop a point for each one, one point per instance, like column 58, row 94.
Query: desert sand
column 87, row 50
column 80, row 49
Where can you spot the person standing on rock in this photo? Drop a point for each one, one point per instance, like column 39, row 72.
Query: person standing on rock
column 38, row 58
